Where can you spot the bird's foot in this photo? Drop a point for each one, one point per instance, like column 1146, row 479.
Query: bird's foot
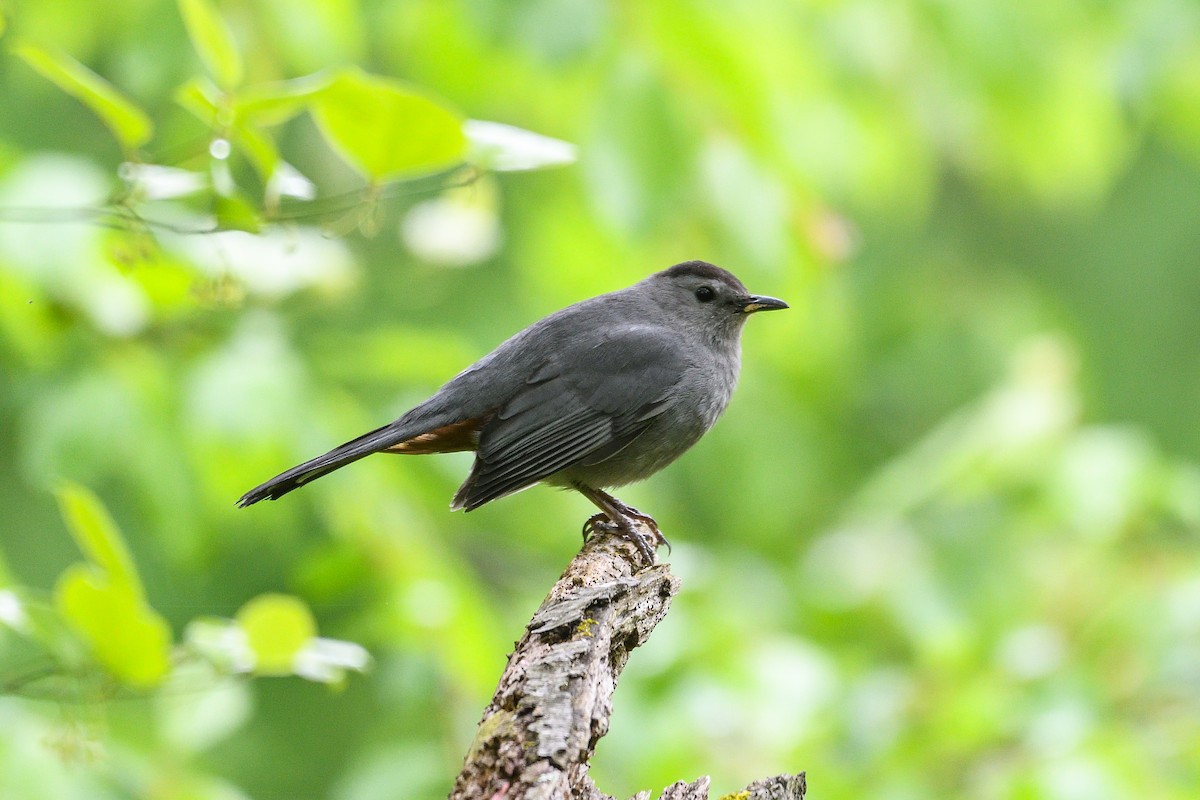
column 617, row 517
column 627, row 525
column 647, row 520
column 595, row 523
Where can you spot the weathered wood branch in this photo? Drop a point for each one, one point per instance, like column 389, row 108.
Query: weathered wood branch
column 554, row 699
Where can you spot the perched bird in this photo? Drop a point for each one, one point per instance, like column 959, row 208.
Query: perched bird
column 600, row 394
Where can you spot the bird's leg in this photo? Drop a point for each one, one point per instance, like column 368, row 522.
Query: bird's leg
column 622, row 517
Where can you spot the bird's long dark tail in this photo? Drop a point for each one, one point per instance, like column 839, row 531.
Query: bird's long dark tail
column 294, row 478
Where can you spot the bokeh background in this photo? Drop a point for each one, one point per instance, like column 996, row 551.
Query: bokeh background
column 944, row 543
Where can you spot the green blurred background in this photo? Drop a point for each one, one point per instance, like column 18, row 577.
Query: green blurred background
column 945, row 542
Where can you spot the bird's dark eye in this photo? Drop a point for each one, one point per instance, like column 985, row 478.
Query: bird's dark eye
column 705, row 294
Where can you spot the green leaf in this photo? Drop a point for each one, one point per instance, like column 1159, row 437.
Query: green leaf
column 126, row 636
column 505, row 148
column 258, row 148
column 236, row 214
column 386, row 130
column 213, row 41
column 127, row 122
column 97, row 534
column 277, row 102
column 277, row 626
column 200, row 97
column 103, row 601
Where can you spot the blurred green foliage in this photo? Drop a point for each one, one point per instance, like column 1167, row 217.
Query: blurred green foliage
column 944, row 543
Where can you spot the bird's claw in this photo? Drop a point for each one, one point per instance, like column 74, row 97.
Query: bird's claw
column 594, row 523
column 626, row 526
column 617, row 517
column 647, row 520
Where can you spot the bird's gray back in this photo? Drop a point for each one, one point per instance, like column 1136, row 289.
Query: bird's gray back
column 496, row 378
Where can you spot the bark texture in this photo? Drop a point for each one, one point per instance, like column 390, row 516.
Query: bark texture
column 554, row 700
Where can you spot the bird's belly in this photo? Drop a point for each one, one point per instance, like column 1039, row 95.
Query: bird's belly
column 666, row 439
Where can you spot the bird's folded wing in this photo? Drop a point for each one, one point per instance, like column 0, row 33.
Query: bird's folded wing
column 579, row 405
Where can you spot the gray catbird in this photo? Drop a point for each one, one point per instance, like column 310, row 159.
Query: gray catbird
column 603, row 393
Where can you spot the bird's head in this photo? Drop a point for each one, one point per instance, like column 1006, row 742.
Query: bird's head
column 703, row 296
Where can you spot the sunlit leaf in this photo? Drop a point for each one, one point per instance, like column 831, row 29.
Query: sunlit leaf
column 103, row 600
column 221, row 642
column 327, row 660
column 234, row 213
column 386, row 130
column 504, row 148
column 213, row 41
column 96, row 534
column 274, row 103
column 290, row 182
column 259, row 148
column 127, row 122
column 156, row 182
column 277, row 627
column 201, row 97
column 128, row 638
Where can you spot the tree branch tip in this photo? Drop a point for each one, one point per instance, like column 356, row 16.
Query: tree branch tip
column 554, row 698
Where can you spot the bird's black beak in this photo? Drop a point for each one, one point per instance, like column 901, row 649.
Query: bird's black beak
column 758, row 302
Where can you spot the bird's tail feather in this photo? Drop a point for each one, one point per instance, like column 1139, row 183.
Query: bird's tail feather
column 338, row 457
